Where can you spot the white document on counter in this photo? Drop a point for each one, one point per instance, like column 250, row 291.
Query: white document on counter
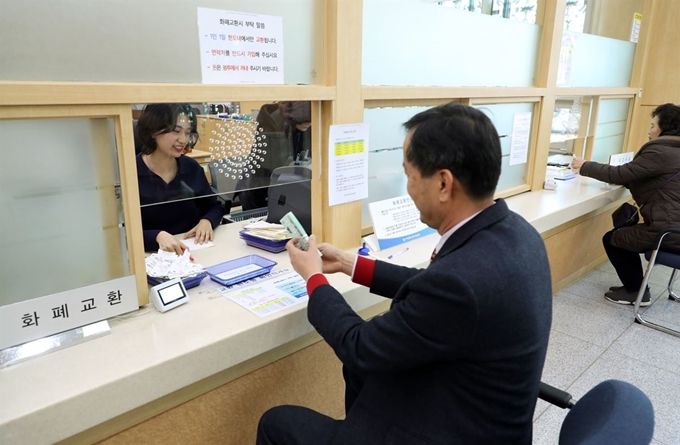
column 191, row 244
column 284, row 289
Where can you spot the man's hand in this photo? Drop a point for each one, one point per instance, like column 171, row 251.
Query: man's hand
column 336, row 260
column 305, row 263
column 203, row 232
column 169, row 243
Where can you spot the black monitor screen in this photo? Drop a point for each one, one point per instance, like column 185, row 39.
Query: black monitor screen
column 290, row 191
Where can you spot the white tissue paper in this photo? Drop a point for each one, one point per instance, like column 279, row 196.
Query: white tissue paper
column 170, row 265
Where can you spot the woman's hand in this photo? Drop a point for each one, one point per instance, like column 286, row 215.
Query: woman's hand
column 203, row 232
column 169, row 243
column 577, row 162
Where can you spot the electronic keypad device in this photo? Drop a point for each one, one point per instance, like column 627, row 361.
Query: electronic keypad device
column 168, row 295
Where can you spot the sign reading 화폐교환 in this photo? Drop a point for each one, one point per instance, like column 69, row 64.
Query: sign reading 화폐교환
column 396, row 221
column 41, row 317
column 240, row 48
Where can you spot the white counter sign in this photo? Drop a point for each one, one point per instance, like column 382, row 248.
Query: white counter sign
column 396, row 221
column 240, row 48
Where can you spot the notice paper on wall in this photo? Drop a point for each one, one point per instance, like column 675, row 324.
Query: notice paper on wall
column 519, row 140
column 348, row 163
column 635, row 28
column 240, row 48
column 566, row 58
column 269, row 293
column 396, row 221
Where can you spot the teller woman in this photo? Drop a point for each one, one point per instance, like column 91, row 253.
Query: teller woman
column 173, row 190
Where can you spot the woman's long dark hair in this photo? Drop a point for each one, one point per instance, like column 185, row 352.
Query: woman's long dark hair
column 160, row 119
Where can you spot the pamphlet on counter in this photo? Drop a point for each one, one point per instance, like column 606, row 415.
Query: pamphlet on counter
column 395, row 221
column 268, row 294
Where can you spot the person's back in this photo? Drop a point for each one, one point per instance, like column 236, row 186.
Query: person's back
column 493, row 287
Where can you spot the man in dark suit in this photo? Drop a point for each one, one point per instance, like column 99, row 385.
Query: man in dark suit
column 458, row 357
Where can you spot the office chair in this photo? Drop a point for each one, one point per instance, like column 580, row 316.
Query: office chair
column 658, row 256
column 612, row 413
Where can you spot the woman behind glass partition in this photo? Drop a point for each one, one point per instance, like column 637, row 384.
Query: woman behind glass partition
column 173, row 190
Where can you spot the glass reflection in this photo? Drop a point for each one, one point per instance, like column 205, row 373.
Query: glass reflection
column 519, row 10
column 194, row 167
column 570, row 128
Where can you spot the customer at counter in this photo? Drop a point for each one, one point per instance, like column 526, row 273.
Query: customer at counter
column 173, row 190
column 653, row 177
column 458, row 357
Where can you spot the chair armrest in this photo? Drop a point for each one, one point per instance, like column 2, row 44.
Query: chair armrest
column 554, row 396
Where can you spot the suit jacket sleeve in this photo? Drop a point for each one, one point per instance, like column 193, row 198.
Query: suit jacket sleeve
column 390, row 278
column 429, row 324
column 150, row 243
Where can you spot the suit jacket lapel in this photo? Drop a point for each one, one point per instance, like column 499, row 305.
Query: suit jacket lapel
column 486, row 218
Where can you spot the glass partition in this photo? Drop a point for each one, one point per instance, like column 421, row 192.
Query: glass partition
column 611, row 129
column 520, row 10
column 598, row 43
column 147, row 41
column 424, row 44
column 386, row 178
column 504, row 117
column 385, row 160
column 570, row 128
column 194, row 163
column 61, row 210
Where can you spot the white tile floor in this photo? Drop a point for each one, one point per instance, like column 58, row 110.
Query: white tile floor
column 594, row 340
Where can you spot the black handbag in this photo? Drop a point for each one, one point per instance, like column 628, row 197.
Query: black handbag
column 625, row 216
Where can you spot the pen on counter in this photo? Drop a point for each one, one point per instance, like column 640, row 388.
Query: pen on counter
column 399, row 252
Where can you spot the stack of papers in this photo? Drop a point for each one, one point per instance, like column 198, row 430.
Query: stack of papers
column 269, row 231
column 266, row 236
column 170, row 265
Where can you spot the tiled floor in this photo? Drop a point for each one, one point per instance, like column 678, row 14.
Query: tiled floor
column 594, row 340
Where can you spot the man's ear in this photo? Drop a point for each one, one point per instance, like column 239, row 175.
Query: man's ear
column 447, row 184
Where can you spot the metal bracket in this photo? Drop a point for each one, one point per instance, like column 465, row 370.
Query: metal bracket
column 42, row 346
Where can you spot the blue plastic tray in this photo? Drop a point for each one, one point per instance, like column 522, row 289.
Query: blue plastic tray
column 189, row 282
column 240, row 269
column 262, row 243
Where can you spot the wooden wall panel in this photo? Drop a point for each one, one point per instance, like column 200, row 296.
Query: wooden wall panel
column 661, row 71
column 614, row 18
column 229, row 414
column 577, row 250
column 639, row 127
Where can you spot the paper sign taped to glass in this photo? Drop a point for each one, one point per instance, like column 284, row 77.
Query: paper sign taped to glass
column 396, row 221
